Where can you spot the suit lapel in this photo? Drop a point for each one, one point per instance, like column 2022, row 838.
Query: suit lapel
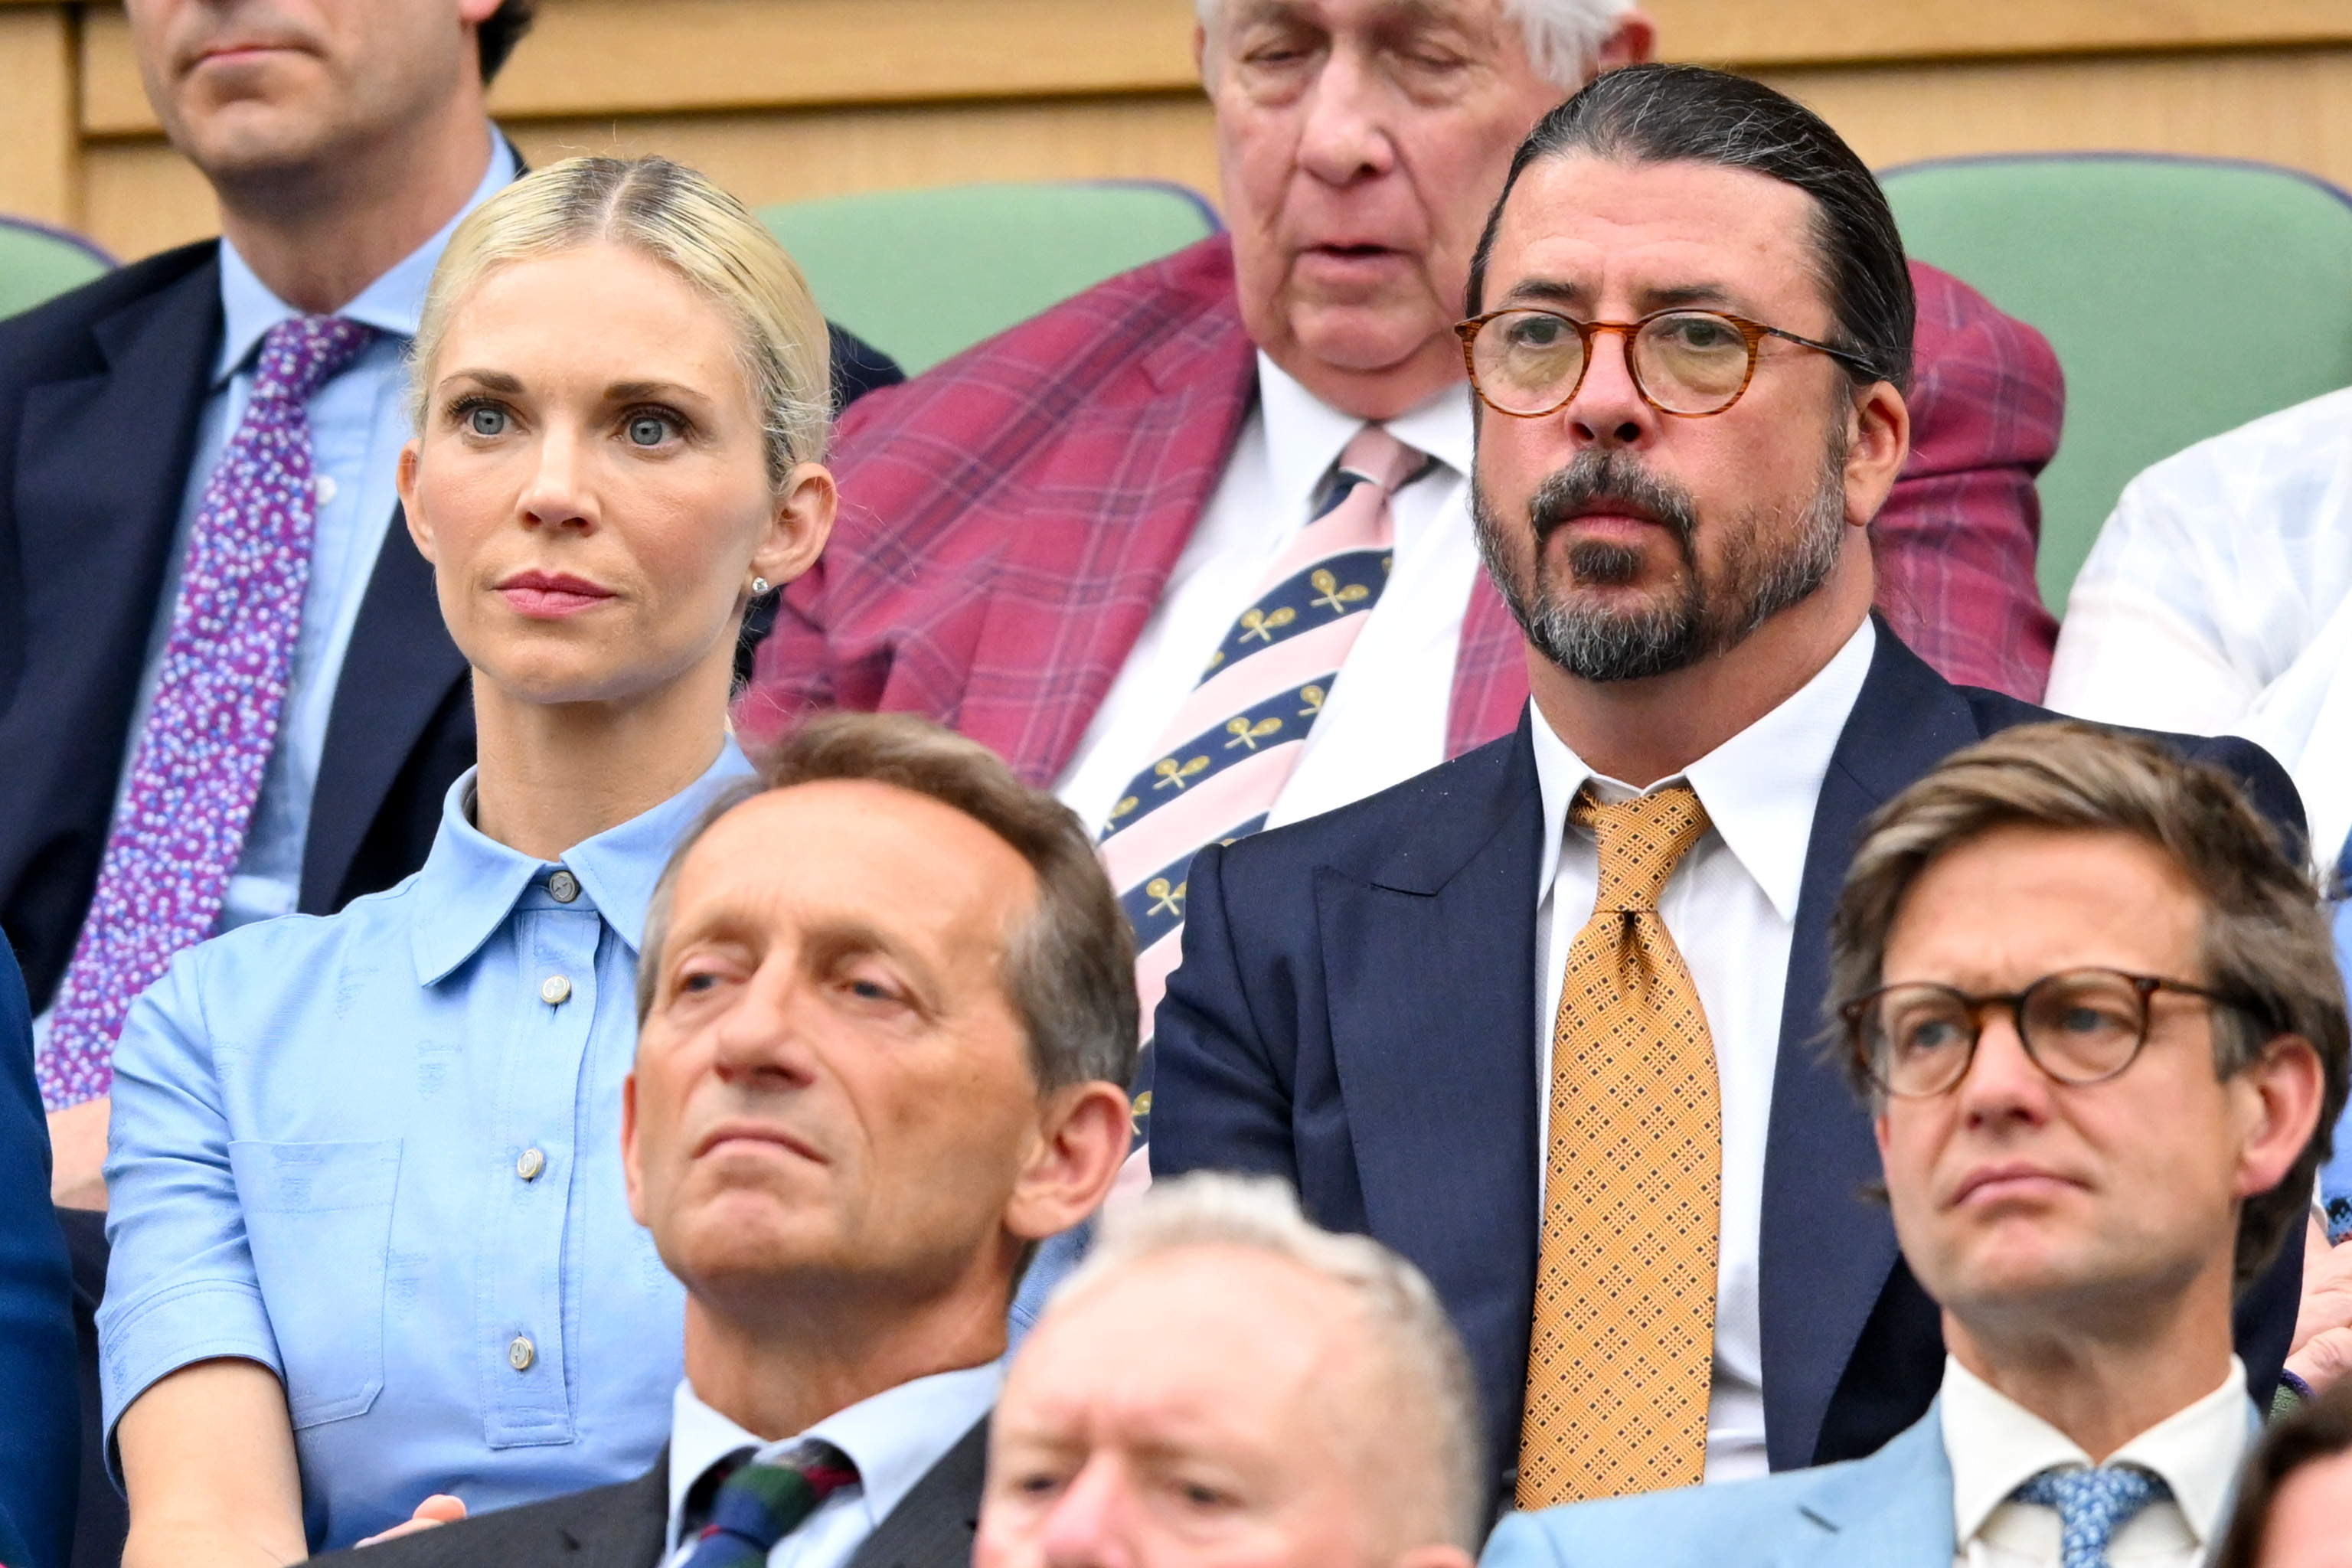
column 628, row 1528
column 397, row 673
column 1080, row 581
column 1430, row 970
column 1826, row 1249
column 933, row 1525
column 101, row 477
column 1894, row 1507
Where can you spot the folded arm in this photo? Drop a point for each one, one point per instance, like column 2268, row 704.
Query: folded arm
column 208, row 1460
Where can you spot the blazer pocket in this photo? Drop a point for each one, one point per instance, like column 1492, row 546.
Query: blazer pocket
column 318, row 1219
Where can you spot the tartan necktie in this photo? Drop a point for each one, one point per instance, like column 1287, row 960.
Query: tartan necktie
column 181, row 825
column 1624, row 1336
column 760, row 1504
column 2092, row 1505
column 1228, row 750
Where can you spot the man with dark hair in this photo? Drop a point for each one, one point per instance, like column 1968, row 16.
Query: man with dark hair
column 884, row 1011
column 1544, row 1019
column 2087, row 996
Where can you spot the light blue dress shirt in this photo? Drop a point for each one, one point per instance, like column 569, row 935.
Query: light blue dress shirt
column 894, row 1439
column 379, row 1153
column 359, row 422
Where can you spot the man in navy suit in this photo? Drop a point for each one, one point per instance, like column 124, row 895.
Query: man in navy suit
column 2090, row 1004
column 1691, row 350
column 38, row 1427
column 345, row 139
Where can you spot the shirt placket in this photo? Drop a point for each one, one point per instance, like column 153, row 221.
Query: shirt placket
column 525, row 1283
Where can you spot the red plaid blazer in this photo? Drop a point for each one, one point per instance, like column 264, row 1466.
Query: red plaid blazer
column 1010, row 518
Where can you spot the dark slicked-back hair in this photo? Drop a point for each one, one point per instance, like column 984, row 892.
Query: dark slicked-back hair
column 496, row 38
column 1687, row 114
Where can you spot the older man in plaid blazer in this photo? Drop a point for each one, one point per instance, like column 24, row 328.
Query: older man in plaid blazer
column 1094, row 542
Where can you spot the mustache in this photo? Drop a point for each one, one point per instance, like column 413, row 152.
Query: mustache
column 1610, row 481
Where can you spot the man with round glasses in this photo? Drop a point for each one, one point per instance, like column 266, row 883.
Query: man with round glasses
column 1546, row 1019
column 2088, row 998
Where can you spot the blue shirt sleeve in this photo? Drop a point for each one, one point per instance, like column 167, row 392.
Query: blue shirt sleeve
column 40, row 1436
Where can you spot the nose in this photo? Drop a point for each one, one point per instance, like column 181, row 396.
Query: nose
column 1343, row 140
column 1608, row 410
column 2003, row 1084
column 760, row 1042
column 558, row 494
column 1088, row 1527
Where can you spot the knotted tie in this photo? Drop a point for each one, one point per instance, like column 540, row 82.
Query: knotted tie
column 1224, row 758
column 2092, row 1505
column 181, row 825
column 1625, row 1313
column 760, row 1504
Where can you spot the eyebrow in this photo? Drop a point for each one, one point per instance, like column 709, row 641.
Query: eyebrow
column 1568, row 296
column 638, row 391
column 492, row 380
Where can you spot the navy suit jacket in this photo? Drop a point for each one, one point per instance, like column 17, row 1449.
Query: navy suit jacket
column 40, row 1423
column 1356, row 1013
column 100, row 393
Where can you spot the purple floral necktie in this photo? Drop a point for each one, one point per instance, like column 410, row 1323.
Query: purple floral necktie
column 180, row 828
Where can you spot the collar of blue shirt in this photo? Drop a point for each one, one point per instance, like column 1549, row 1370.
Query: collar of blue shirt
column 894, row 1438
column 471, row 881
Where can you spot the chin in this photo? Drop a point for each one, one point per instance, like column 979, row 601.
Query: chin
column 1365, row 337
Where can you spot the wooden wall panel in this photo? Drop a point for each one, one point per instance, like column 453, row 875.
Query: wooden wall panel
column 39, row 174
column 1762, row 33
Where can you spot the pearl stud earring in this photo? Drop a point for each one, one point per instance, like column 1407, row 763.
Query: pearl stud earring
column 759, row 586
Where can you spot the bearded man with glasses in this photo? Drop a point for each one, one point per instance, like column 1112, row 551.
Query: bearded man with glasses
column 1546, row 1019
column 2087, row 995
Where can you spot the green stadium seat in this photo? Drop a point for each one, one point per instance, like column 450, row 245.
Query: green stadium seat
column 924, row 274
column 38, row 263
column 2184, row 296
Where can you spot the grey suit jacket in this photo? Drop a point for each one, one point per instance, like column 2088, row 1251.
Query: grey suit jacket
column 624, row 1526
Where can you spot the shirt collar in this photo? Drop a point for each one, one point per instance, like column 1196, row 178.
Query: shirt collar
column 391, row 304
column 1305, row 435
column 894, row 1438
column 1996, row 1445
column 1759, row 787
column 471, row 881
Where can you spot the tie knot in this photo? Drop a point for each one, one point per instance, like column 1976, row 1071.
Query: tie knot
column 302, row 353
column 2092, row 1505
column 1374, row 456
column 764, row 1502
column 1641, row 842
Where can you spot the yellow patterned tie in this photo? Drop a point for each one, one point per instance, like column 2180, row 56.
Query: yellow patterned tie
column 1625, row 1315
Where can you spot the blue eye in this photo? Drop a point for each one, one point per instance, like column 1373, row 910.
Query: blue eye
column 649, row 430
column 484, row 420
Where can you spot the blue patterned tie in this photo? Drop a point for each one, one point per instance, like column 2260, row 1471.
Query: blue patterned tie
column 760, row 1504
column 2092, row 1506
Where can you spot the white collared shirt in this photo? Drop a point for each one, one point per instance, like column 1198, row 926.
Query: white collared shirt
column 1996, row 1446
column 893, row 1438
column 1385, row 719
column 1731, row 908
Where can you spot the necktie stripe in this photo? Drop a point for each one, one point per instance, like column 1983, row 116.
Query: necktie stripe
column 1206, row 814
column 1272, row 722
column 1331, row 587
column 1621, row 1345
column 760, row 1504
column 1311, row 658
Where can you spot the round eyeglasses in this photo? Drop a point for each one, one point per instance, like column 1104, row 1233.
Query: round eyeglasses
column 1528, row 363
column 1914, row 1041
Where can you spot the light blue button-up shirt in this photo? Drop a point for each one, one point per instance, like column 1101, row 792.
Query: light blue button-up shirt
column 359, row 422
column 379, row 1153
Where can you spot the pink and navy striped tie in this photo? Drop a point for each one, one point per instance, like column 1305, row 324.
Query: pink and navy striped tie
column 1225, row 756
column 180, row 827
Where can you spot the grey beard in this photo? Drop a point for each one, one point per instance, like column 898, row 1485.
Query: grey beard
column 1689, row 622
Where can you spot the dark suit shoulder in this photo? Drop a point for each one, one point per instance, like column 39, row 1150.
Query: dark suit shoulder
column 52, row 340
column 934, row 1524
column 619, row 1526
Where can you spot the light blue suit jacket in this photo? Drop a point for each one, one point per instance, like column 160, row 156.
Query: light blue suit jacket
column 1892, row 1509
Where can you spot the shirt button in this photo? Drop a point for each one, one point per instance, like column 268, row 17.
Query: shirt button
column 325, row 490
column 532, row 1163
column 522, row 1353
column 563, row 887
column 555, row 991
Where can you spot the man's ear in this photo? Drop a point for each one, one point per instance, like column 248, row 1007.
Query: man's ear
column 1635, row 42
column 1878, row 441
column 2281, row 1091
column 403, row 480
column 1084, row 1130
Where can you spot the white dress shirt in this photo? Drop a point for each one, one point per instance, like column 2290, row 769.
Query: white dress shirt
column 1385, row 718
column 893, row 1438
column 2219, row 601
column 1731, row 908
column 1996, row 1446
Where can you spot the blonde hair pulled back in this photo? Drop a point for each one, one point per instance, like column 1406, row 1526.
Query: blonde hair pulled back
column 671, row 214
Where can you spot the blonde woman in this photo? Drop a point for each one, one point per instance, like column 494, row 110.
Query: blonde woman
column 371, row 1241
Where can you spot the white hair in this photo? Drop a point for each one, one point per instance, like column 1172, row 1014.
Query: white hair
column 1427, row 1375
column 1563, row 36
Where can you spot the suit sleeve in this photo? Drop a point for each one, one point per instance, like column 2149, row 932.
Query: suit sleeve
column 1954, row 543
column 1217, row 1102
column 40, row 1434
